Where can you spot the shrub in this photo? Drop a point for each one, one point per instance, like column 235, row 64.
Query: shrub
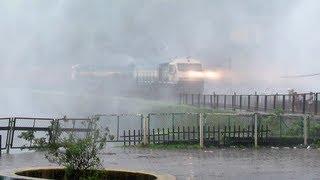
column 75, row 152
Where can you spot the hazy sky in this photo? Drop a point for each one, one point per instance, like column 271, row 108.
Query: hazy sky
column 264, row 39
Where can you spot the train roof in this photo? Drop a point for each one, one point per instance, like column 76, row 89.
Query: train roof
column 182, row 61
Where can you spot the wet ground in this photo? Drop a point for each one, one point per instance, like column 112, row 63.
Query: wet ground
column 265, row 163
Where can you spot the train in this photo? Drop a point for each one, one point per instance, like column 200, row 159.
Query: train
column 176, row 76
column 180, row 75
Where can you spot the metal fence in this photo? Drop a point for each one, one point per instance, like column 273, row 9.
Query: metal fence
column 224, row 129
column 305, row 103
column 11, row 128
column 210, row 129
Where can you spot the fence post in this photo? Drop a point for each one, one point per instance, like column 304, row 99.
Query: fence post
column 275, row 101
column 172, row 119
column 304, row 104
column 145, row 129
column 214, row 100
column 249, row 98
column 284, row 103
column 9, row 134
column 293, row 102
column 305, row 130
column 316, row 104
column 255, row 130
column 192, row 99
column 187, row 99
column 265, row 103
column 234, row 101
column 217, row 105
column 201, row 129
column 257, row 102
column 118, row 127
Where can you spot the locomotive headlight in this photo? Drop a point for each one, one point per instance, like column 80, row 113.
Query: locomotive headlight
column 195, row 74
column 214, row 75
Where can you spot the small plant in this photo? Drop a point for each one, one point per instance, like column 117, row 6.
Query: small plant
column 79, row 154
column 295, row 129
column 315, row 130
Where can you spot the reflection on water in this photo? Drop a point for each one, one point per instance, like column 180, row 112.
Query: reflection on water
column 264, row 163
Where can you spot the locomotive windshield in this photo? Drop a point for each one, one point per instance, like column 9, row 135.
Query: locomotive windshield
column 189, row 67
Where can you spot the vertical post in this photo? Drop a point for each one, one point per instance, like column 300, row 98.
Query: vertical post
column 192, row 99
column 141, row 124
column 316, row 104
column 145, row 129
column 201, row 129
column 172, row 119
column 186, row 101
column 148, row 127
column 214, row 100
column 304, row 104
column 234, row 101
column 217, row 106
column 240, row 105
column 284, row 103
column 129, row 136
column 257, row 102
column 124, row 137
column 305, row 130
column 275, row 102
column 293, row 102
column 249, row 98
column 225, row 102
column 256, row 130
column 265, row 103
column 118, row 126
column 134, row 137
column 8, row 141
column 211, row 102
column 199, row 100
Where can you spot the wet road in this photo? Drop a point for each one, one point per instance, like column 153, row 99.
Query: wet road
column 265, row 163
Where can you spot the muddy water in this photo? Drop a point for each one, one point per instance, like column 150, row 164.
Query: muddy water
column 265, row 163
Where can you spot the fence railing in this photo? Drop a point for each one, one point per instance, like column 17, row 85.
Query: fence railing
column 223, row 129
column 216, row 129
column 305, row 103
column 11, row 128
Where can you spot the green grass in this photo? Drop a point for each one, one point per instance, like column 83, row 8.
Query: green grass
column 158, row 107
column 173, row 146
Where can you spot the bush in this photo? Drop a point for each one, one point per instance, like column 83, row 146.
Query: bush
column 76, row 153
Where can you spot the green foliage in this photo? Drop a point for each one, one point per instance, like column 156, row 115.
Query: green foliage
column 274, row 121
column 295, row 129
column 76, row 153
column 278, row 112
column 317, row 143
column 172, row 146
column 315, row 130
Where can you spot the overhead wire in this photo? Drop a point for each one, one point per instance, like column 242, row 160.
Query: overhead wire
column 302, row 75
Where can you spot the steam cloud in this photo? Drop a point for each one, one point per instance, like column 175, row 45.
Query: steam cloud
column 41, row 40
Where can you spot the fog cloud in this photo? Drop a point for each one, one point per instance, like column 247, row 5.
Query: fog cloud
column 263, row 40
